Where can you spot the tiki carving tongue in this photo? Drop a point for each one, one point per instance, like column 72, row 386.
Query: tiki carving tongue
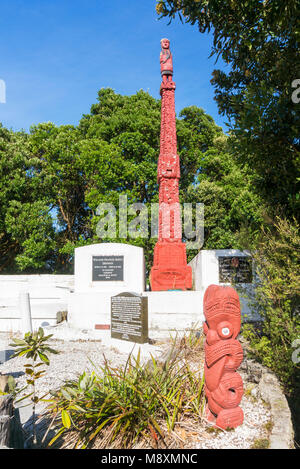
column 170, row 269
column 223, row 355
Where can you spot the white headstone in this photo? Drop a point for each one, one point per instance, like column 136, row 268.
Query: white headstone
column 113, row 267
column 219, row 267
column 102, row 271
column 209, row 267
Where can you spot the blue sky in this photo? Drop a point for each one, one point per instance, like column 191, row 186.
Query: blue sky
column 56, row 54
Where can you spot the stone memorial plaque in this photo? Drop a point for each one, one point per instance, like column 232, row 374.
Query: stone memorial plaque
column 129, row 317
column 237, row 269
column 108, row 268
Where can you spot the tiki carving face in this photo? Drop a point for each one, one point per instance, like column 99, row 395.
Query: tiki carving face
column 222, row 313
column 223, row 355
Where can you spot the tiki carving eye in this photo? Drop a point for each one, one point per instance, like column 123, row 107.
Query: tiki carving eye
column 225, row 330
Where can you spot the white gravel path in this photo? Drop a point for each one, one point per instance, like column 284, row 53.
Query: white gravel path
column 76, row 355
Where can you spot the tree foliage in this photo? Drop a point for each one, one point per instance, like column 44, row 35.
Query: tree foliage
column 278, row 301
column 231, row 207
column 54, row 178
column 259, row 40
column 25, row 227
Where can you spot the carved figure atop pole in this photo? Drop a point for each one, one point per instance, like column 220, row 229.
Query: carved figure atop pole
column 170, row 270
column 166, row 61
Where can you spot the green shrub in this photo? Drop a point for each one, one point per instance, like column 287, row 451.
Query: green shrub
column 35, row 347
column 277, row 300
column 127, row 403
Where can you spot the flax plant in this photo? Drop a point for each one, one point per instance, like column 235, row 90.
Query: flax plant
column 123, row 405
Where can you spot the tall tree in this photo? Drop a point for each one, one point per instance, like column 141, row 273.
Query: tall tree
column 26, row 233
column 60, row 172
column 231, row 207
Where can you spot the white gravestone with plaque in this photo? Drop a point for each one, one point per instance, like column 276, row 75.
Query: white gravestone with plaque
column 227, row 267
column 109, row 267
column 101, row 271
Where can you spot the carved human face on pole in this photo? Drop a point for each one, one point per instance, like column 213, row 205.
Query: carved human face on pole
column 165, row 43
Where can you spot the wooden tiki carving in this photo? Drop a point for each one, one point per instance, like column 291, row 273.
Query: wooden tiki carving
column 223, row 355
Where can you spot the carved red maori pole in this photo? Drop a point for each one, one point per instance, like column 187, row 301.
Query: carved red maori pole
column 223, row 355
column 170, row 269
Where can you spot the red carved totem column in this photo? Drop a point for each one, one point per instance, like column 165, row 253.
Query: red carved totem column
column 170, row 269
column 223, row 355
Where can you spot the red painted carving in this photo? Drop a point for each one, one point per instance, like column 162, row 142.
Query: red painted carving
column 166, row 61
column 223, row 355
column 170, row 269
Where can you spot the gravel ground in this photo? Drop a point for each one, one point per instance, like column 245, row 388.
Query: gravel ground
column 74, row 357
column 256, row 416
column 81, row 355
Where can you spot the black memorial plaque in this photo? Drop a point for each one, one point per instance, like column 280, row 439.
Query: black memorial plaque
column 129, row 317
column 235, row 269
column 108, row 268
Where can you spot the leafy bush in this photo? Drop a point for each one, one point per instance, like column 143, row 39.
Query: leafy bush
column 35, row 347
column 277, row 300
column 120, row 405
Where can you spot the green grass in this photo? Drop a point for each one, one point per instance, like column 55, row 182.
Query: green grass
column 261, row 443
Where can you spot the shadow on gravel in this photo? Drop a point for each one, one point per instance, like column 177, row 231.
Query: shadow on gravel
column 44, row 436
column 5, row 355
